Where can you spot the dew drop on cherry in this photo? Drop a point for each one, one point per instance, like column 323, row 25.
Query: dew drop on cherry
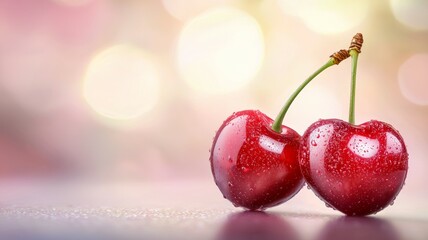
column 314, row 143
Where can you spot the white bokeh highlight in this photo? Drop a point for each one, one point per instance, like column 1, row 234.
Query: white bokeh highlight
column 413, row 79
column 121, row 83
column 327, row 16
column 220, row 50
column 411, row 13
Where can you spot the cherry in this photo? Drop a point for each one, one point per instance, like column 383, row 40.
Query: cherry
column 254, row 166
column 254, row 160
column 356, row 169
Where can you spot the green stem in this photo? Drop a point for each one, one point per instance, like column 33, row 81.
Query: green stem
column 277, row 125
column 354, row 57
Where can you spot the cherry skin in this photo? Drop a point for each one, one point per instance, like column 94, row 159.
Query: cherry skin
column 253, row 166
column 358, row 170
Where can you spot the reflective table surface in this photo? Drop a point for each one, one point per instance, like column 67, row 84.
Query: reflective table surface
column 186, row 210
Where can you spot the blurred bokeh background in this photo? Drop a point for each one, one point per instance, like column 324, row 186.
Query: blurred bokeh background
column 132, row 90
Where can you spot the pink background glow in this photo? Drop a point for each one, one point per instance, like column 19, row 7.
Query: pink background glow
column 52, row 129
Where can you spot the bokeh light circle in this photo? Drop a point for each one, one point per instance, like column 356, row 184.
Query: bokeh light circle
column 327, row 16
column 121, row 83
column 220, row 50
column 411, row 13
column 413, row 79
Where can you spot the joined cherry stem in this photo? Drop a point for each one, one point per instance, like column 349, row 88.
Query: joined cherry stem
column 334, row 59
column 277, row 125
column 354, row 56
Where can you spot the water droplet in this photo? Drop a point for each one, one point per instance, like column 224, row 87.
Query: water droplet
column 313, row 143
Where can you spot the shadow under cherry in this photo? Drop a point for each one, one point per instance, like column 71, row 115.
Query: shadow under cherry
column 255, row 225
column 357, row 228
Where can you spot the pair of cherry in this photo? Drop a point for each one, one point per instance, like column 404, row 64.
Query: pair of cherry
column 357, row 169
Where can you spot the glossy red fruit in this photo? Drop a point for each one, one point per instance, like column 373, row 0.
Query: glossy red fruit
column 253, row 166
column 358, row 170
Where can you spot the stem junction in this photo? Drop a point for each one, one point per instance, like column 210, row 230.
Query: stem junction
column 334, row 59
column 354, row 51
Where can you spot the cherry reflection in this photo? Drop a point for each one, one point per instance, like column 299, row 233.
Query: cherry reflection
column 252, row 225
column 357, row 228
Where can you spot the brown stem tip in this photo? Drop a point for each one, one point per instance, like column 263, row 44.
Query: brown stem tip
column 356, row 43
column 340, row 56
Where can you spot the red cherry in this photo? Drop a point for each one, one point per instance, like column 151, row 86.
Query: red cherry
column 358, row 170
column 254, row 166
